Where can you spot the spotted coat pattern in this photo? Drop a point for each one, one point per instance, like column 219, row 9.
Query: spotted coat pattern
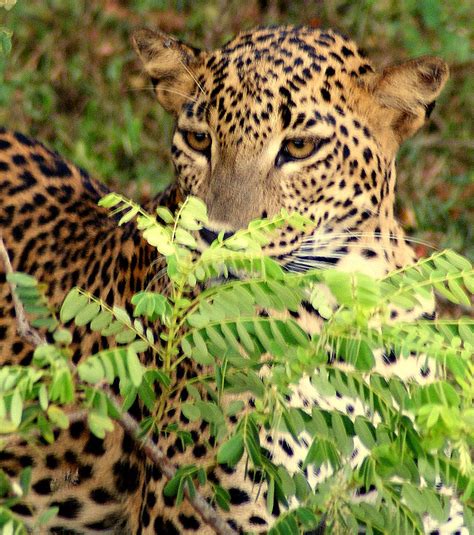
column 248, row 100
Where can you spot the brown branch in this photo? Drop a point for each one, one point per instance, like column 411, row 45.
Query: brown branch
column 205, row 511
column 208, row 514
column 24, row 329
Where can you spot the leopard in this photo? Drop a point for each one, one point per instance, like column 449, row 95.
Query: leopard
column 290, row 117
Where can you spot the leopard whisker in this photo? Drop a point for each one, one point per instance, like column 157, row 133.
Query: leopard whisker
column 187, row 97
column 330, row 236
column 317, row 248
column 193, row 78
column 296, row 266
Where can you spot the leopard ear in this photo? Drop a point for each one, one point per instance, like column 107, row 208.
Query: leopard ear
column 169, row 63
column 409, row 91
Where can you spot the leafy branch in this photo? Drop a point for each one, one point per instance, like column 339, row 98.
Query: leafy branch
column 229, row 315
column 129, row 425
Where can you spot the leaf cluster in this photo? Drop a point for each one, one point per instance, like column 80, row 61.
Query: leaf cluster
column 229, row 313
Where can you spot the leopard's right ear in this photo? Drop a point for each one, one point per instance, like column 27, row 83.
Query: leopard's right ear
column 170, row 64
column 407, row 92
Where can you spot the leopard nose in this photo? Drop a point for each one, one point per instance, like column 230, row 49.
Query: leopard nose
column 209, row 235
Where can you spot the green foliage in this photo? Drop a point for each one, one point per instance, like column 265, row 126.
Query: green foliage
column 5, row 33
column 412, row 432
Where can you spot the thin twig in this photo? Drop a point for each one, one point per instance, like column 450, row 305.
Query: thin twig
column 24, row 329
column 205, row 511
column 208, row 514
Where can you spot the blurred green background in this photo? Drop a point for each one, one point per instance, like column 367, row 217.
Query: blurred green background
column 73, row 81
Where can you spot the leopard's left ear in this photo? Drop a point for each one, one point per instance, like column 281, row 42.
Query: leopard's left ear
column 169, row 63
column 409, row 91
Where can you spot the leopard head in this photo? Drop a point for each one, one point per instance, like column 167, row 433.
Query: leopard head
column 294, row 118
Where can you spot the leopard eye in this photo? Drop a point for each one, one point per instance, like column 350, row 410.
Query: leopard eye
column 299, row 148
column 198, row 141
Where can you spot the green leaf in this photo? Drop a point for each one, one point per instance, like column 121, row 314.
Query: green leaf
column 414, row 497
column 99, row 424
column 222, row 497
column 433, row 506
column 91, row 370
column 58, row 417
column 87, row 314
column 363, row 429
column 43, row 397
column 110, row 200
column 210, row 412
column 159, row 238
column 25, row 479
column 171, row 488
column 302, row 488
column 121, row 315
column 63, row 337
column 287, row 483
column 47, row 515
column 319, row 422
column 231, row 451
column 230, row 336
column 7, row 426
column 197, row 208
column 101, row 321
column 16, row 407
column 199, row 352
column 468, row 279
column 46, row 429
column 8, row 527
column 185, row 238
column 457, row 291
column 106, row 360
column 343, row 442
column 191, row 412
column 140, row 345
column 193, row 392
column 125, row 337
column 251, row 440
column 165, row 214
column 188, row 222
column 293, row 421
column 113, row 329
column 6, row 35
column 215, row 337
column 357, row 352
column 234, row 407
column 128, row 216
column 71, row 306
column 22, row 279
column 322, row 385
column 457, row 260
column 307, row 517
column 270, row 495
column 118, row 358
column 135, row 367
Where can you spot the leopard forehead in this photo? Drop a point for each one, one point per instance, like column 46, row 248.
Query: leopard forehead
column 276, row 77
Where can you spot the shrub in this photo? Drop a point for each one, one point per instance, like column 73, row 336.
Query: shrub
column 415, row 434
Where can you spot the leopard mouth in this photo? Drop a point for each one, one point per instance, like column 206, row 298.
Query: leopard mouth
column 296, row 262
column 209, row 236
column 300, row 263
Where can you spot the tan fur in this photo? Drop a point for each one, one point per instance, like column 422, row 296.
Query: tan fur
column 405, row 91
